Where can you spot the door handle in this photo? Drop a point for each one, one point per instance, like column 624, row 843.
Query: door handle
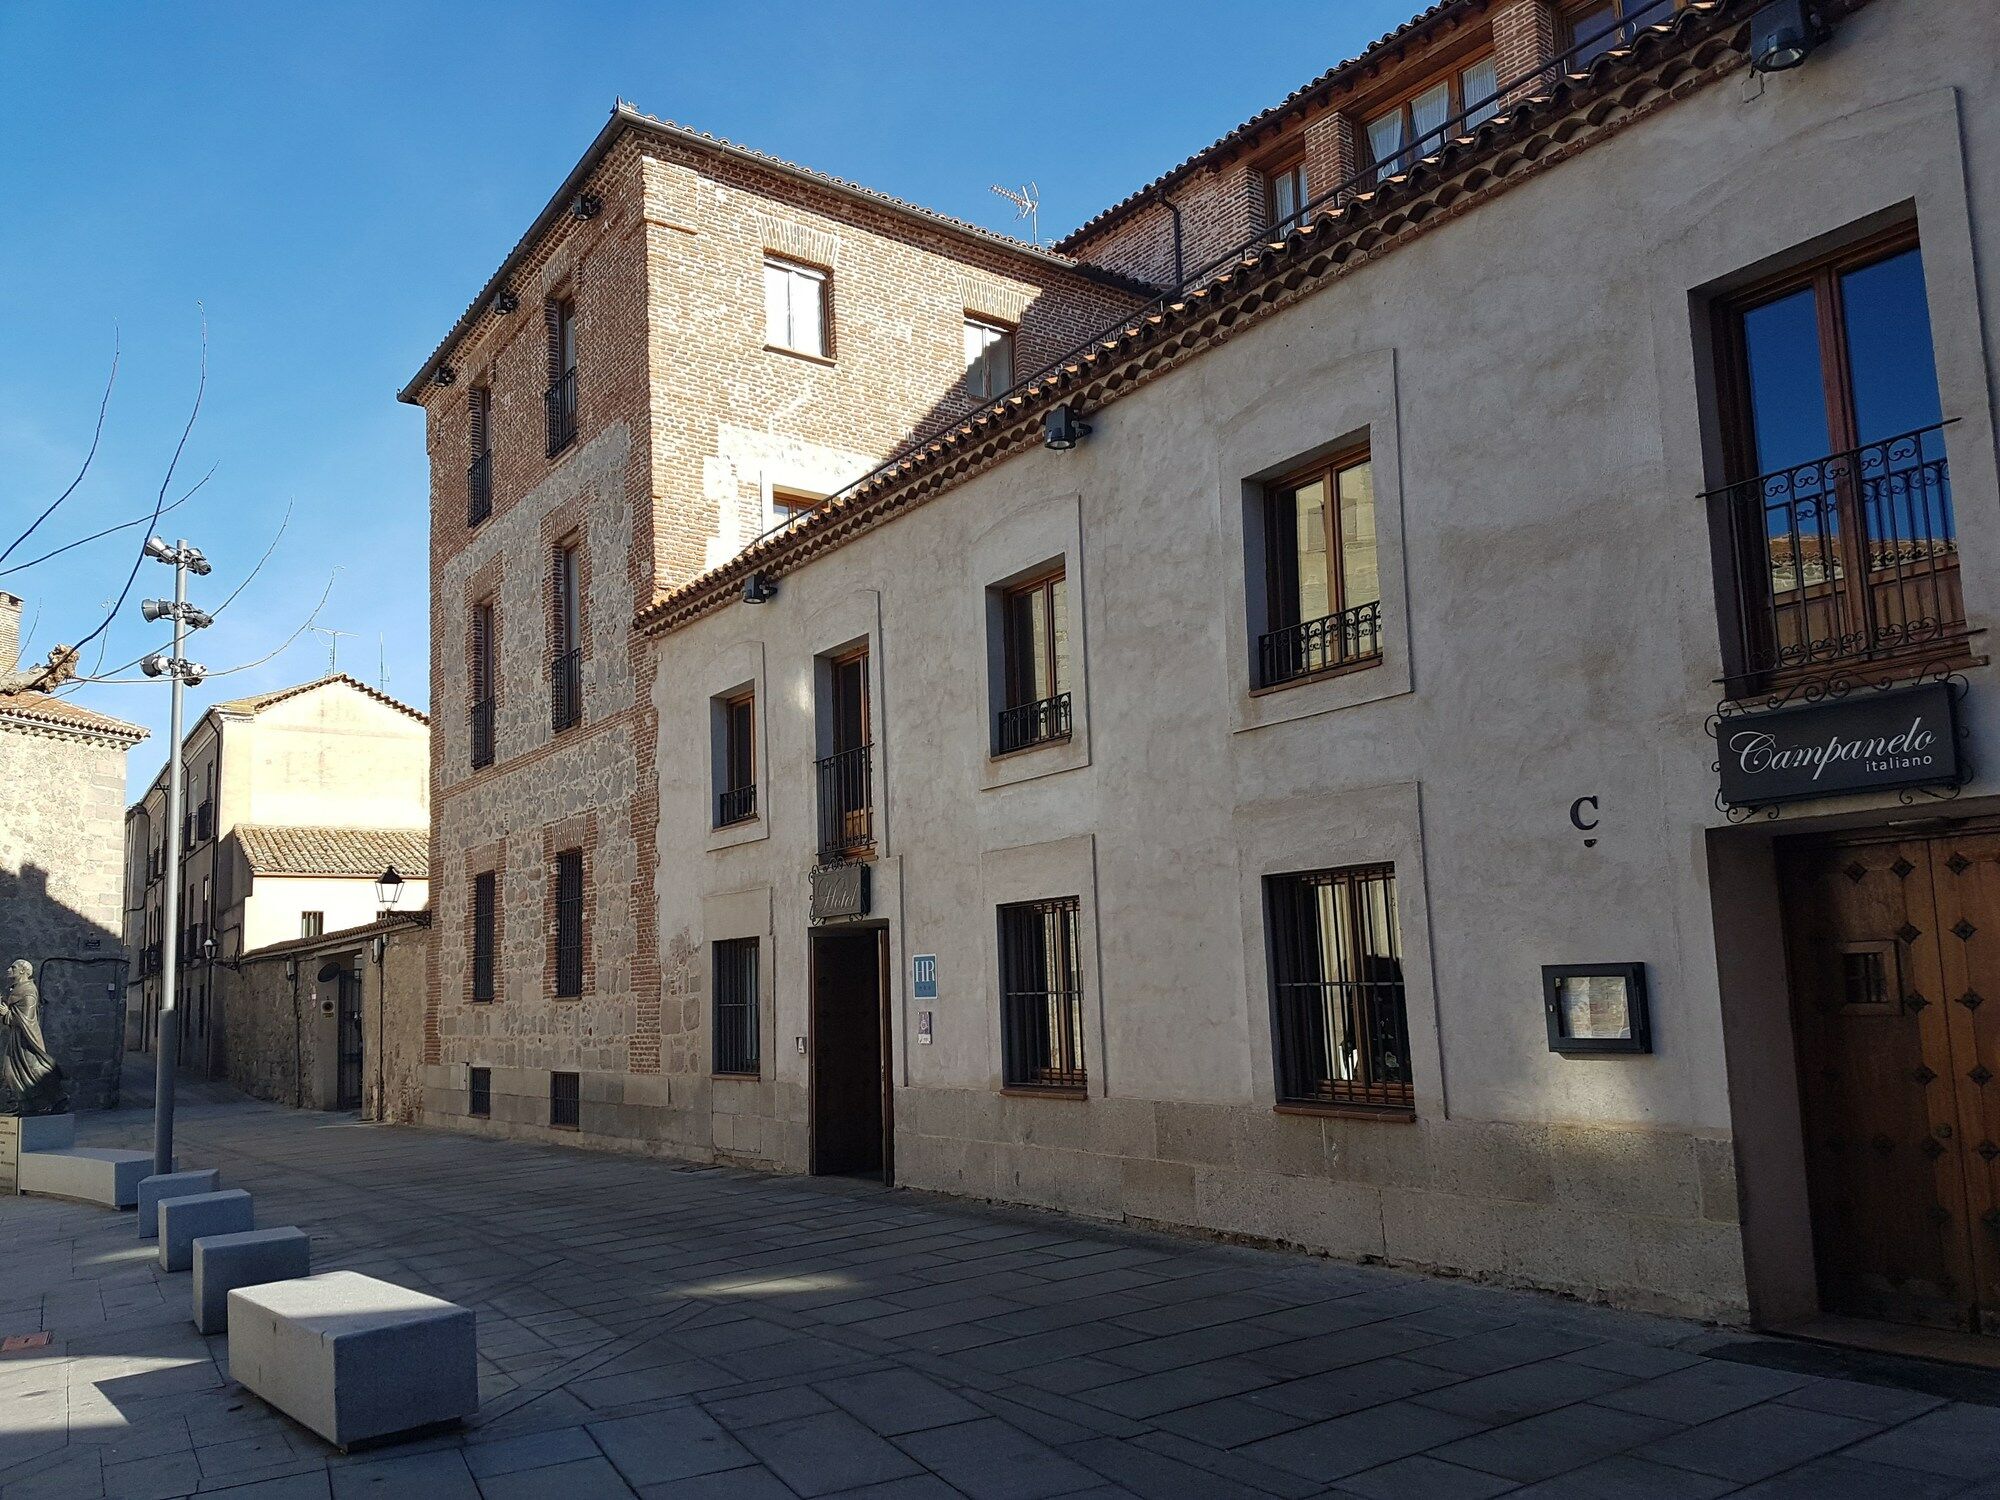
column 1944, row 1132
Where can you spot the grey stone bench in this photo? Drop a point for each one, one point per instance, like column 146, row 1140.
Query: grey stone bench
column 170, row 1185
column 354, row 1358
column 184, row 1220
column 250, row 1257
column 89, row 1174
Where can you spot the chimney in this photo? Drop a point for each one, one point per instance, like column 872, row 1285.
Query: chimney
column 10, row 633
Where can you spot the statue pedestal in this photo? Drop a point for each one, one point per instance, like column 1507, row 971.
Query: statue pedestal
column 10, row 1156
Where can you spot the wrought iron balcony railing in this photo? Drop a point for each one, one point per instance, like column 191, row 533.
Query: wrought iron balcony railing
column 1035, row 723
column 479, row 489
column 566, row 690
column 482, row 734
column 1842, row 563
column 736, row 804
column 846, row 810
column 561, row 399
column 1312, row 646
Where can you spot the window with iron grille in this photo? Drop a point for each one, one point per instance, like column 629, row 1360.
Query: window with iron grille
column 736, row 1007
column 479, row 468
column 479, row 1101
column 1323, row 592
column 485, row 916
column 1041, row 996
column 846, row 777
column 565, row 638
column 560, row 315
column 1035, row 656
column 483, row 677
column 565, row 1100
column 312, row 924
column 1337, row 989
column 569, row 923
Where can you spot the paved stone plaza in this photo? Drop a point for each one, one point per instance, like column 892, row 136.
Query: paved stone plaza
column 707, row 1333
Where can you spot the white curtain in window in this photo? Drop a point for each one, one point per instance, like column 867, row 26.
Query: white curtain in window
column 1385, row 139
column 794, row 307
column 1429, row 110
column 777, row 298
column 1477, row 86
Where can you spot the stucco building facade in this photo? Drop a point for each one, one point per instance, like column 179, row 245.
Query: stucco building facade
column 1472, row 759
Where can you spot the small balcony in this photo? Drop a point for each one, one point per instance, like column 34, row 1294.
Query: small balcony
column 561, row 399
column 566, row 690
column 736, row 804
column 1038, row 723
column 1347, row 639
column 482, row 734
column 1844, row 564
column 204, row 821
column 846, row 808
column 479, row 489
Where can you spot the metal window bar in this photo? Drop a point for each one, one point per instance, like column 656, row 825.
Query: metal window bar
column 1842, row 561
column 204, row 822
column 736, row 804
column 1041, row 996
column 736, row 1007
column 569, row 923
column 565, row 1101
column 561, row 399
column 846, row 811
column 1473, row 115
column 479, row 1094
column 479, row 489
column 1337, row 981
column 485, row 915
column 482, row 733
column 1312, row 646
column 1035, row 723
column 566, row 689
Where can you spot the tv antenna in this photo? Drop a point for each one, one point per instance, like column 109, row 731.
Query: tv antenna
column 1027, row 205
column 332, row 644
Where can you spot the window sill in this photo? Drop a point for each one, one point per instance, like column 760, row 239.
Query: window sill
column 1029, row 1091
column 1347, row 669
column 570, row 1128
column 1388, row 1114
column 1052, row 742
column 807, row 356
column 736, row 1077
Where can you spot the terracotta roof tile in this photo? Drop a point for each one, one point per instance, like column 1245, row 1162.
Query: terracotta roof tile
column 334, row 851
column 41, row 708
column 258, row 702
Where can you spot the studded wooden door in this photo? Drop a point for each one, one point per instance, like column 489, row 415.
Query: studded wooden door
column 1893, row 946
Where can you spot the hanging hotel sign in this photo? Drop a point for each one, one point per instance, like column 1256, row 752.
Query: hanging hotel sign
column 1872, row 741
column 839, row 891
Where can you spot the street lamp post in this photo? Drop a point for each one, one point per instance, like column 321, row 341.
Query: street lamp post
column 181, row 673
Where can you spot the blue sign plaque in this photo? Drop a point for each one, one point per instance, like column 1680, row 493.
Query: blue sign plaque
column 923, row 976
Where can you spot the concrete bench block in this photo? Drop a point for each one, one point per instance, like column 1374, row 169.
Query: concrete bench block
column 184, row 1220
column 85, row 1173
column 251, row 1257
column 354, row 1358
column 156, row 1186
column 48, row 1132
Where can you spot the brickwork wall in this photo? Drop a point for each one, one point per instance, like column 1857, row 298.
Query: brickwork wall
column 1524, row 39
column 62, row 893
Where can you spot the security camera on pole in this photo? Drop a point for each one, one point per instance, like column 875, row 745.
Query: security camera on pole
column 182, row 673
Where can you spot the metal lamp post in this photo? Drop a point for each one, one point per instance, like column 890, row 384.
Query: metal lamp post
column 181, row 673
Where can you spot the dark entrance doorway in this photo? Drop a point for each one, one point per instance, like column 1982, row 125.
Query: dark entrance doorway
column 1893, row 946
column 851, row 1122
column 346, row 980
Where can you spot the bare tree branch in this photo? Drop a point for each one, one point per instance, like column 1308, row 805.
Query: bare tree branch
column 304, row 626
column 102, row 407
column 109, row 530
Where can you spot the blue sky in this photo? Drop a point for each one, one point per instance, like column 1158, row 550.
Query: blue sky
column 331, row 183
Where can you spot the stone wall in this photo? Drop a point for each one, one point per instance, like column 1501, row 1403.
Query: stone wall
column 62, row 803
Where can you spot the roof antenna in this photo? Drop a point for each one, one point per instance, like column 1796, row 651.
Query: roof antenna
column 1027, row 205
column 332, row 644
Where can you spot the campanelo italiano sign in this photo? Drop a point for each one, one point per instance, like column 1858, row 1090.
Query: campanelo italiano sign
column 1873, row 741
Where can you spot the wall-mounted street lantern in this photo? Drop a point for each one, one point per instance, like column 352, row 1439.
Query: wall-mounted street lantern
column 1596, row 1008
column 1061, row 430
column 505, row 301
column 388, row 888
column 758, row 589
column 1783, row 35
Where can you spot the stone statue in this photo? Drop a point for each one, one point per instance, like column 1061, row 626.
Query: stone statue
column 30, row 1081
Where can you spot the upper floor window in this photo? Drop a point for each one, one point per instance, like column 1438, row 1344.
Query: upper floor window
column 566, row 640
column 480, row 671
column 989, row 359
column 736, row 797
column 1035, row 658
column 560, row 314
column 789, row 506
column 845, row 774
column 568, row 934
column 1323, row 592
column 1337, row 989
column 1041, row 996
column 312, row 924
column 479, row 468
column 1840, row 515
column 485, row 932
column 1284, row 193
column 1420, row 125
column 1594, row 29
column 794, row 307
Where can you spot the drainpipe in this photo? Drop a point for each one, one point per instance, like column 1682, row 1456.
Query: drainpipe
column 1174, row 209
column 298, row 1040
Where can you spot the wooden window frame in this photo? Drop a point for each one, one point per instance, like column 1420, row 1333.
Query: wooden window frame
column 744, row 700
column 1571, row 15
column 1053, row 1018
column 1393, row 1098
column 1290, row 162
column 735, row 965
column 1281, row 542
column 857, row 662
column 823, row 275
column 1453, row 78
column 985, row 390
